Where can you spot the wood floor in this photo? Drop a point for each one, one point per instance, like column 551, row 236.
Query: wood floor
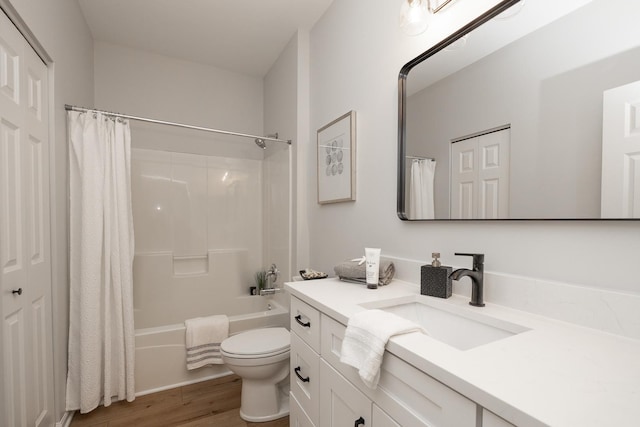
column 209, row 403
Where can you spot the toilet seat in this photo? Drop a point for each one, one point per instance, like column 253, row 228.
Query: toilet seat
column 257, row 344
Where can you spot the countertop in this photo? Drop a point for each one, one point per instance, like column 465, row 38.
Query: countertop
column 556, row 373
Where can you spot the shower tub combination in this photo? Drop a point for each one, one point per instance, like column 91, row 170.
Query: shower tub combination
column 161, row 353
column 205, row 221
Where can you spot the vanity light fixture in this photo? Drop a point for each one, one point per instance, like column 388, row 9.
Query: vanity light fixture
column 414, row 14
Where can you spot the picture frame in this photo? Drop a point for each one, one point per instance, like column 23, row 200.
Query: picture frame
column 336, row 160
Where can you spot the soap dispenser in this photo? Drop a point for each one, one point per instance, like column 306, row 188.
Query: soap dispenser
column 435, row 279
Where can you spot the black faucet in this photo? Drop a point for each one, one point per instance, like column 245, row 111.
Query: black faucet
column 477, row 278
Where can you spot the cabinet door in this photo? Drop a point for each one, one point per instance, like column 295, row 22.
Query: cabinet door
column 297, row 416
column 341, row 404
column 382, row 419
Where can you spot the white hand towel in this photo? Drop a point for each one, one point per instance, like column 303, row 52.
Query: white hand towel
column 365, row 339
column 203, row 338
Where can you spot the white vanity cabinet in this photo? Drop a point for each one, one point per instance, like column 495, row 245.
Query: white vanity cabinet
column 409, row 396
column 328, row 393
column 489, row 419
column 341, row 403
column 297, row 416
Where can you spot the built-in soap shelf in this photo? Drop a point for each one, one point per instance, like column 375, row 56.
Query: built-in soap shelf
column 190, row 265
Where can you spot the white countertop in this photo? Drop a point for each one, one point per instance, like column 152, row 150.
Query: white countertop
column 556, row 374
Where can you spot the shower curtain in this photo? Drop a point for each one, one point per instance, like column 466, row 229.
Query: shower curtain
column 101, row 331
column 421, row 197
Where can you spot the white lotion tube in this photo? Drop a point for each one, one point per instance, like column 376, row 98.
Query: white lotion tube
column 372, row 256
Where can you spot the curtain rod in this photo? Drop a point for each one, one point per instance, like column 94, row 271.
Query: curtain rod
column 420, row 158
column 181, row 125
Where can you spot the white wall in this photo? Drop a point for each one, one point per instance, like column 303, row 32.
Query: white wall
column 357, row 51
column 140, row 83
column 280, row 114
column 60, row 28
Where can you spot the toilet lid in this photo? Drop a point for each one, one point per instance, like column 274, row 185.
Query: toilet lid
column 257, row 342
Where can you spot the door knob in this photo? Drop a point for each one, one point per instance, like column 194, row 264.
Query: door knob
column 17, row 291
column 359, row 422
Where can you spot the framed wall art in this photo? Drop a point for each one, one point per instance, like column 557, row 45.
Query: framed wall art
column 337, row 160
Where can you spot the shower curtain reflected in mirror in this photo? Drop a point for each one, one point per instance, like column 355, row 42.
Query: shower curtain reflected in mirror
column 421, row 198
column 101, row 330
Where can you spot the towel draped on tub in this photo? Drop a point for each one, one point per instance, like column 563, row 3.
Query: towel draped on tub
column 203, row 338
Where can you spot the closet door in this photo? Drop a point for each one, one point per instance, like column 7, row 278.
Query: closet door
column 26, row 379
column 480, row 176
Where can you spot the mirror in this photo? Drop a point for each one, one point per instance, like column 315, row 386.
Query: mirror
column 532, row 111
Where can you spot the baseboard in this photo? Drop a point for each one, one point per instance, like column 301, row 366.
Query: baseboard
column 65, row 421
column 170, row 386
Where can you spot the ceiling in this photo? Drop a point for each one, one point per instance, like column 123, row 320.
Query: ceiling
column 244, row 36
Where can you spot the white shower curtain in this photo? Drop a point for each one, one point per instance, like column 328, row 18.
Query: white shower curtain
column 421, row 197
column 101, row 331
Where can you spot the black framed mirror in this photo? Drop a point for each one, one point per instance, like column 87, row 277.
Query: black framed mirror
column 531, row 111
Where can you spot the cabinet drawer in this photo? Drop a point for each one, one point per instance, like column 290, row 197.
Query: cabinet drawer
column 297, row 416
column 408, row 395
column 305, row 376
column 305, row 321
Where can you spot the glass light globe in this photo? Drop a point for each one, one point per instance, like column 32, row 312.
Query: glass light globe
column 414, row 17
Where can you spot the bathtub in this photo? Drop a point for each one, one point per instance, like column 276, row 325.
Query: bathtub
column 161, row 353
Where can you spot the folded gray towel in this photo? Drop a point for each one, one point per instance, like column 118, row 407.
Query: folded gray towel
column 351, row 271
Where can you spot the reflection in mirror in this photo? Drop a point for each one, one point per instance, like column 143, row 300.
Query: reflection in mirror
column 535, row 114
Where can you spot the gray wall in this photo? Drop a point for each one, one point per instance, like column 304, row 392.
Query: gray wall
column 355, row 61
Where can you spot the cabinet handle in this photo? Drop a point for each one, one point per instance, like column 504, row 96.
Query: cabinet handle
column 303, row 324
column 17, row 291
column 297, row 371
column 359, row 422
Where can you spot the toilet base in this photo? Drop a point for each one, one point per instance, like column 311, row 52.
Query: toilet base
column 258, row 417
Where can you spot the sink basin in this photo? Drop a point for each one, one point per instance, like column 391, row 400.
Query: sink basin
column 462, row 329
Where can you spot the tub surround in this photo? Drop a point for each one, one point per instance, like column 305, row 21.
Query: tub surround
column 557, row 373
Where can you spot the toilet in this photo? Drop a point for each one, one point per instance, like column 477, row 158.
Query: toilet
column 261, row 358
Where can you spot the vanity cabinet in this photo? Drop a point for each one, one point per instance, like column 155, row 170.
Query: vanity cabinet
column 297, row 416
column 327, row 393
column 341, row 403
column 489, row 419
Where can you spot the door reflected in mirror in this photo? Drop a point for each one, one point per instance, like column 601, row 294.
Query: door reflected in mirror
column 512, row 121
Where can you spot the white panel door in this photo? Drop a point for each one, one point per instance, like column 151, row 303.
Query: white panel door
column 25, row 266
column 621, row 152
column 480, row 176
column 493, row 175
column 464, row 177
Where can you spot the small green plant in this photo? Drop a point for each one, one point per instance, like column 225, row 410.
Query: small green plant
column 261, row 280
